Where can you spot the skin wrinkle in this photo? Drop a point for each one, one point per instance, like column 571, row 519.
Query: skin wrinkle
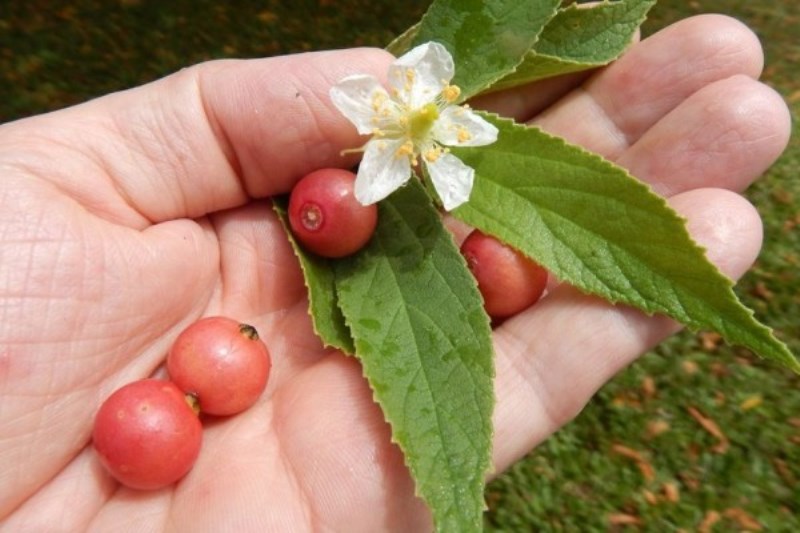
column 252, row 232
column 732, row 48
column 122, row 127
column 103, row 203
column 45, row 425
column 220, row 285
column 522, row 104
column 540, row 368
column 611, row 140
column 173, row 155
column 246, row 152
column 231, row 166
column 291, row 359
column 561, row 413
column 148, row 139
column 75, row 516
column 290, row 468
column 377, row 462
column 209, row 113
column 233, row 245
column 63, row 512
column 29, row 161
column 79, row 450
column 212, row 465
column 524, row 367
column 740, row 112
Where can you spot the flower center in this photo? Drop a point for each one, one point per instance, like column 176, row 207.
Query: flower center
column 421, row 121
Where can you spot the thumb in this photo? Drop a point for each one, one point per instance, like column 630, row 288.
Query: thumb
column 203, row 139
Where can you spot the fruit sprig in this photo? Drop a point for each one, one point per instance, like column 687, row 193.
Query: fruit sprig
column 413, row 308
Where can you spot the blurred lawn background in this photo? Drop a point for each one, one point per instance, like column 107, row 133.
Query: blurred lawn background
column 696, row 436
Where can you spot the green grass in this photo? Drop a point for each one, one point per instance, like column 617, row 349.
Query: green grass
column 58, row 52
column 576, row 482
column 54, row 54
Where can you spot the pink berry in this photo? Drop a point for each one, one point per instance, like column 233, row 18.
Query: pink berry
column 508, row 281
column 325, row 216
column 147, row 435
column 222, row 362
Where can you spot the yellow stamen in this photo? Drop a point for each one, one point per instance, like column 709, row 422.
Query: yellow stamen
column 433, row 154
column 409, row 79
column 463, row 135
column 405, row 150
column 378, row 99
column 451, row 93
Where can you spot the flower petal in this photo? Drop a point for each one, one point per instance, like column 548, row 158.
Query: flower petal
column 452, row 180
column 458, row 126
column 360, row 98
column 381, row 171
column 420, row 74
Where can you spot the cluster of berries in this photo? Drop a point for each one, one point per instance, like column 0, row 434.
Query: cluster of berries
column 326, row 219
column 148, row 433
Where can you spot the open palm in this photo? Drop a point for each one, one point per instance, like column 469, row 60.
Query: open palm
column 128, row 217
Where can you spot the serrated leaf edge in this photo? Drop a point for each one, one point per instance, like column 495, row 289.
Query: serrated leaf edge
column 296, row 249
column 791, row 362
column 581, row 66
column 485, row 462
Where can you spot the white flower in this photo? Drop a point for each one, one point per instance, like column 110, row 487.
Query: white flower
column 415, row 120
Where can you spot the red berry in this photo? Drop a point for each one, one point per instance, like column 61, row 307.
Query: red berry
column 147, row 435
column 222, row 363
column 508, row 281
column 325, row 216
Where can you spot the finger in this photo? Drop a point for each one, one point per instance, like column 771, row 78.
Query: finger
column 545, row 377
column 618, row 105
column 201, row 140
column 724, row 135
column 523, row 102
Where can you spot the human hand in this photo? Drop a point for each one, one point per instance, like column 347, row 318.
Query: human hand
column 127, row 218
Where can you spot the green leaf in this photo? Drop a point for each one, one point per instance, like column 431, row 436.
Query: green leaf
column 599, row 229
column 487, row 38
column 402, row 43
column 320, row 280
column 424, row 343
column 580, row 38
